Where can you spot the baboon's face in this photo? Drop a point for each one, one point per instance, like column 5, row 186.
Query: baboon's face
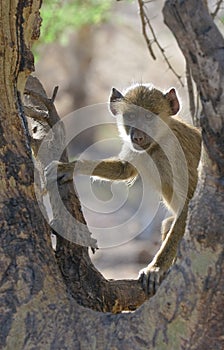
column 139, row 125
column 143, row 114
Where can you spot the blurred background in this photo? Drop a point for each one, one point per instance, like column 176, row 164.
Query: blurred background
column 86, row 48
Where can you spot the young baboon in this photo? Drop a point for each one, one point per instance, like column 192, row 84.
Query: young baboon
column 153, row 138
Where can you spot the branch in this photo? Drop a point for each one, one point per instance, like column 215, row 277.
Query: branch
column 203, row 46
column 146, row 22
column 55, row 91
column 35, row 113
column 83, row 281
column 218, row 7
column 41, row 100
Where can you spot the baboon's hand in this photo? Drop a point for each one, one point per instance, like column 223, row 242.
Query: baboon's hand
column 151, row 277
column 58, row 171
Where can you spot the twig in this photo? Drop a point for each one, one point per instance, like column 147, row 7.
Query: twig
column 55, row 91
column 48, row 102
column 218, row 6
column 144, row 32
column 35, row 113
column 146, row 22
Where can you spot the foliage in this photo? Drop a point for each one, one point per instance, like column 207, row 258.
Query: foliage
column 61, row 16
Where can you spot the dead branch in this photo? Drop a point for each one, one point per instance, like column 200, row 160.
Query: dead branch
column 147, row 24
column 144, row 30
column 218, row 7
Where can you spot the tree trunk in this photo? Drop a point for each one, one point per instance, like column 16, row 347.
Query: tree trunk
column 38, row 309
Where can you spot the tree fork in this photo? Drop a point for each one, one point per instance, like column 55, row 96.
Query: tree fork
column 36, row 310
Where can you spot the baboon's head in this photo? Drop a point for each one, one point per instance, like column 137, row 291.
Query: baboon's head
column 143, row 114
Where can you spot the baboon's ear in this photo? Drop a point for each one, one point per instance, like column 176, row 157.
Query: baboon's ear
column 115, row 96
column 171, row 96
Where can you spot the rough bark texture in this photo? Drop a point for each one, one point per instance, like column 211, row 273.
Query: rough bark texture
column 84, row 283
column 37, row 311
column 203, row 48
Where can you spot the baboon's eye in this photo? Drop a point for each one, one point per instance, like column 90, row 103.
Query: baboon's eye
column 129, row 116
column 148, row 116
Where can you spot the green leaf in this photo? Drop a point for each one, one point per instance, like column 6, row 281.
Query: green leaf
column 61, row 16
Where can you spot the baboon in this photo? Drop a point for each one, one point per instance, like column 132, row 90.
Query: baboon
column 152, row 134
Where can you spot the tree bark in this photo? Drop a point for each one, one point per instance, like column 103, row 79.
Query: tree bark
column 37, row 311
column 83, row 282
